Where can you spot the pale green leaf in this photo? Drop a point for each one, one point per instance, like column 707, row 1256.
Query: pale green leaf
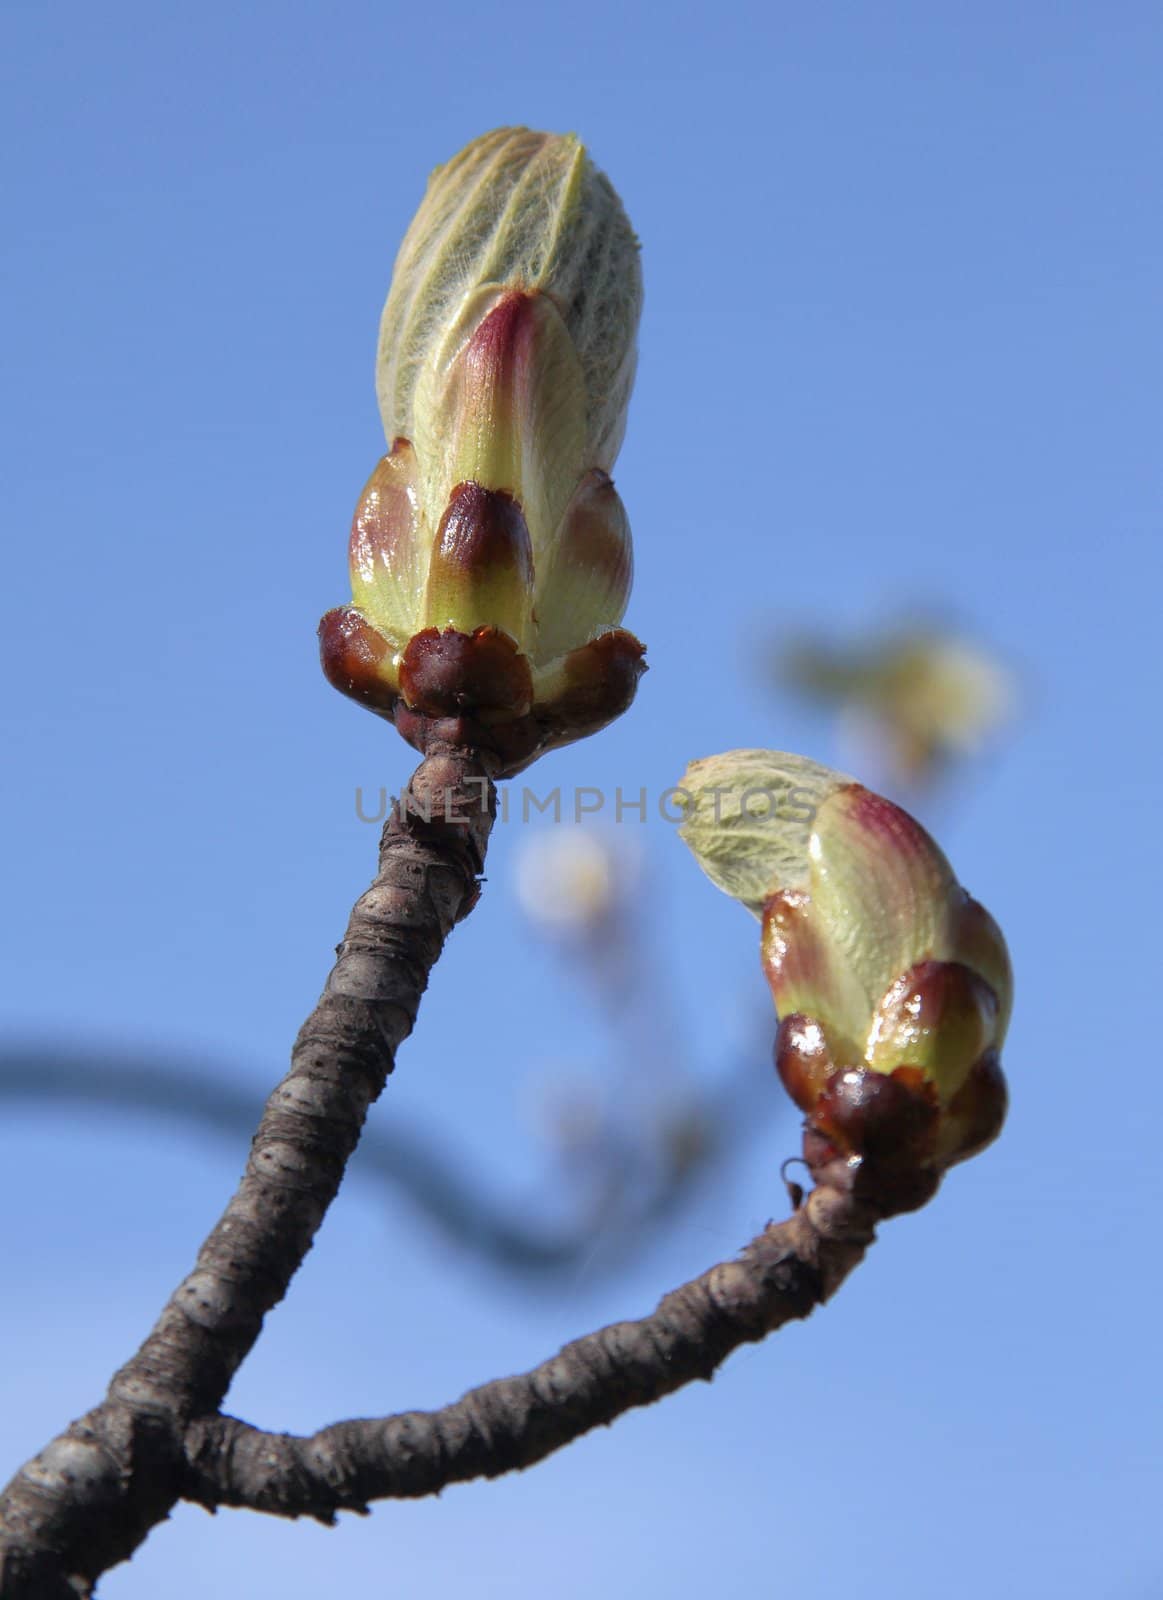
column 748, row 816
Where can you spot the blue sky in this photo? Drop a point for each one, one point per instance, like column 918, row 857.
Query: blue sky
column 901, row 347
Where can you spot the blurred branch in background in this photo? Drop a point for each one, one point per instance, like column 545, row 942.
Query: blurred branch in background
column 917, row 700
column 629, row 1145
column 430, row 1174
column 199, row 1097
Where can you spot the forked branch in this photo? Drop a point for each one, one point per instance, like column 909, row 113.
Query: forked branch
column 91, row 1496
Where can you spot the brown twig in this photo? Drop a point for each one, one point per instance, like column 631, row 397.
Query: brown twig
column 781, row 1275
column 91, row 1496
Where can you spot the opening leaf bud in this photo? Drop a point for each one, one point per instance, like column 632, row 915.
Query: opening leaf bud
column 490, row 555
column 881, row 966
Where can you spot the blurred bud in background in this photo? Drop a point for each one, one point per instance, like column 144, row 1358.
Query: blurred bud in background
column 573, row 883
column 915, row 701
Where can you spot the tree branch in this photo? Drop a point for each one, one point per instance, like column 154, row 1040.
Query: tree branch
column 781, row 1275
column 89, row 1499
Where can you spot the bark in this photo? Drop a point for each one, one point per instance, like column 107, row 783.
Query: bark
column 511, row 1423
column 91, row 1496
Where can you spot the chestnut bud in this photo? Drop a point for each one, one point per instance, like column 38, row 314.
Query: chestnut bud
column 490, row 553
column 892, row 984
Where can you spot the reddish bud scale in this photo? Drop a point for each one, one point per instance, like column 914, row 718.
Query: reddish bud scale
column 481, row 570
column 891, row 1128
column 352, row 653
column 483, row 529
column 383, row 515
column 475, row 687
column 444, row 673
column 474, row 690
